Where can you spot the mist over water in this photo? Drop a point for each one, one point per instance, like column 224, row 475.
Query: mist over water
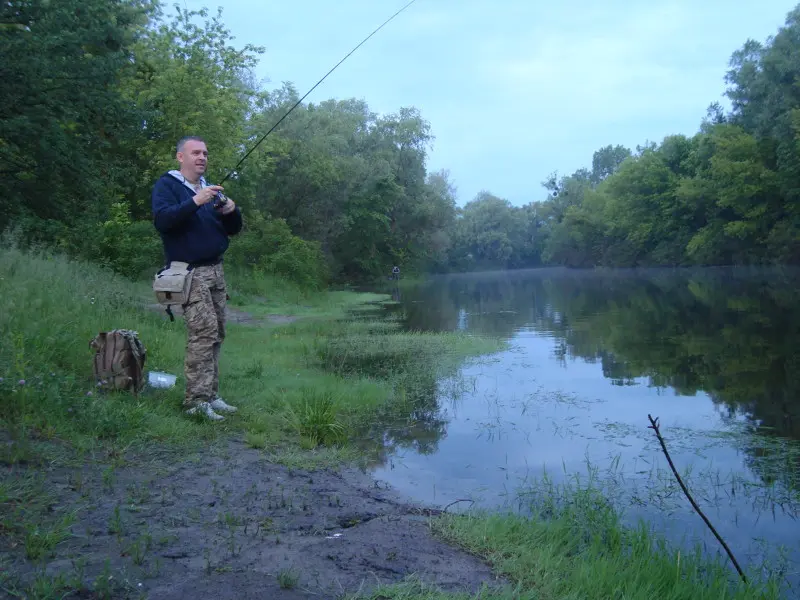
column 713, row 353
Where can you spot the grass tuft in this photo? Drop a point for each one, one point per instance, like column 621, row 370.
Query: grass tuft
column 288, row 579
column 316, row 419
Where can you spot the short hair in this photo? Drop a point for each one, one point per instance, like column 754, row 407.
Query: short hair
column 185, row 139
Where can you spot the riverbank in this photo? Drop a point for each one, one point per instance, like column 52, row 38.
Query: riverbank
column 112, row 496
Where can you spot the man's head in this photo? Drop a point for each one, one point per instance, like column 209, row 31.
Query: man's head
column 192, row 155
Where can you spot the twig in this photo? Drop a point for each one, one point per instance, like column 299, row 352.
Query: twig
column 437, row 512
column 444, row 510
column 654, row 427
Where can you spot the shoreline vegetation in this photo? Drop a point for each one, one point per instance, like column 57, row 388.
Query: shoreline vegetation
column 312, row 396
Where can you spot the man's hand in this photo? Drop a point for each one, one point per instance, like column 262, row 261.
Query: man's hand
column 228, row 207
column 207, row 194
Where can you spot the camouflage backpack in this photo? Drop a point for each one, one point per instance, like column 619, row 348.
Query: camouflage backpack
column 119, row 360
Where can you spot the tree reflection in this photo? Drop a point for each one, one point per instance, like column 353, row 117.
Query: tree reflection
column 731, row 333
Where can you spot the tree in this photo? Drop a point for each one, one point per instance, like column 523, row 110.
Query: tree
column 607, row 161
column 61, row 110
column 187, row 80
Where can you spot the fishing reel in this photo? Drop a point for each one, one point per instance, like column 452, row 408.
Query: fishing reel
column 220, row 200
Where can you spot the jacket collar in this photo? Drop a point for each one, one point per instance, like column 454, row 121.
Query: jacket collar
column 179, row 176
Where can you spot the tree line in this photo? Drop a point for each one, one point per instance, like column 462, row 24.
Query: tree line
column 96, row 93
column 727, row 195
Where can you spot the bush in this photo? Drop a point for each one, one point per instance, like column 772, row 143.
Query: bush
column 131, row 248
column 268, row 246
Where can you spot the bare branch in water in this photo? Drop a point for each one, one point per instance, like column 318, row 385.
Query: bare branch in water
column 654, row 426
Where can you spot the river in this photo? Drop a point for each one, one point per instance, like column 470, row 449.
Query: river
column 714, row 354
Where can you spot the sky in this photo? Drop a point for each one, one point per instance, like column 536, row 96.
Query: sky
column 513, row 89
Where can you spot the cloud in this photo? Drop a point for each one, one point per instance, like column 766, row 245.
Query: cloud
column 589, row 73
column 554, row 88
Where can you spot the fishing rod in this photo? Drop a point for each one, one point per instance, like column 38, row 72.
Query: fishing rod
column 386, row 22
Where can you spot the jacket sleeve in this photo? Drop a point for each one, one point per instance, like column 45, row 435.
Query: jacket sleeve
column 170, row 211
column 232, row 222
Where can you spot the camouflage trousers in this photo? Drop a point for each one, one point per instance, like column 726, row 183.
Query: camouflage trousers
column 204, row 314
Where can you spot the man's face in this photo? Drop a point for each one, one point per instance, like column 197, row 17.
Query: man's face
column 193, row 158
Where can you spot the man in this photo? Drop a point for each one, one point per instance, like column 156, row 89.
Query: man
column 196, row 231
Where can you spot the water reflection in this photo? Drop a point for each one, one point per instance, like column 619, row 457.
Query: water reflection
column 713, row 352
column 731, row 333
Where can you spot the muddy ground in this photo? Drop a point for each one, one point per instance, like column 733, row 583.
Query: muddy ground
column 228, row 523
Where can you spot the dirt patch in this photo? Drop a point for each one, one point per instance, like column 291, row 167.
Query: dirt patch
column 231, row 524
column 233, row 315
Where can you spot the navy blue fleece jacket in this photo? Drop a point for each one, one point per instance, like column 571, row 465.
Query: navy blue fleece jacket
column 190, row 233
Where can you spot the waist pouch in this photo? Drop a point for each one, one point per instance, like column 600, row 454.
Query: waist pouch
column 172, row 285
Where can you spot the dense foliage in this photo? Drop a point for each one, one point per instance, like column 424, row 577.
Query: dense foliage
column 97, row 92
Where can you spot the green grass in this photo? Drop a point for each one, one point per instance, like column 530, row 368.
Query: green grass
column 295, row 402
column 573, row 545
column 574, row 548
column 269, row 294
column 288, row 579
column 298, row 386
column 568, row 542
column 25, row 518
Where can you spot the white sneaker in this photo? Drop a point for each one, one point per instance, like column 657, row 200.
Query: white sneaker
column 204, row 408
column 220, row 404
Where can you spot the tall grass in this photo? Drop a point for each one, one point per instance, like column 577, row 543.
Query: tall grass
column 283, row 379
column 51, row 309
column 573, row 545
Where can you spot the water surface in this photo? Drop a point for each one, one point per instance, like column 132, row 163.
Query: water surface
column 713, row 353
